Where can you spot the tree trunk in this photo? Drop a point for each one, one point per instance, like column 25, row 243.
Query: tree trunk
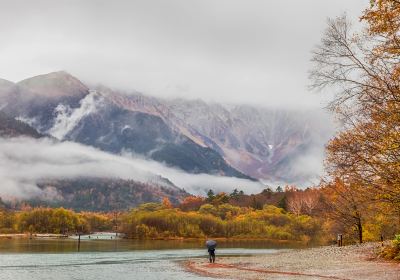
column 360, row 233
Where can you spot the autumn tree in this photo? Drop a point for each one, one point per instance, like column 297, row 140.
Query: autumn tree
column 167, row 203
column 384, row 21
column 210, row 195
column 192, row 203
column 294, row 202
column 302, row 201
column 219, row 198
column 363, row 70
column 346, row 205
column 311, row 200
column 234, row 194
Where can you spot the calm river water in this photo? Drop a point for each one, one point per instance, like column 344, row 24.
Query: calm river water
column 22, row 259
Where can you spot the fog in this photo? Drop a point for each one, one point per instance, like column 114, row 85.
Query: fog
column 67, row 118
column 228, row 51
column 25, row 161
column 239, row 51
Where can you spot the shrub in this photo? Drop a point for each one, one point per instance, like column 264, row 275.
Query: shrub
column 392, row 251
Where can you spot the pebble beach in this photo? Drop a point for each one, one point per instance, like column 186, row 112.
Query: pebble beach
column 327, row 262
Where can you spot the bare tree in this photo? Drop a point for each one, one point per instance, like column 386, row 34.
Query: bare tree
column 346, row 205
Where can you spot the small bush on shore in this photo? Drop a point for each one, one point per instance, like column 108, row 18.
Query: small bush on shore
column 392, row 251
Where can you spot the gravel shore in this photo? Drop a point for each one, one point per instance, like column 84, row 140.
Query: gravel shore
column 328, row 262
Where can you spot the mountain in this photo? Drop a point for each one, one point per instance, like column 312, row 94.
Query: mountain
column 60, row 105
column 278, row 145
column 36, row 100
column 6, row 88
column 54, row 86
column 115, row 129
column 88, row 193
column 10, row 127
column 264, row 143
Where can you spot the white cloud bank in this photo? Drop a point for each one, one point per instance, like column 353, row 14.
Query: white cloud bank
column 253, row 52
column 25, row 161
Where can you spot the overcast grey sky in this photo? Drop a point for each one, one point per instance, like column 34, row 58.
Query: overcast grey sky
column 247, row 51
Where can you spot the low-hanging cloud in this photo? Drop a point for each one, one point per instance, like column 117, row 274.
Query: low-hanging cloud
column 253, row 52
column 67, row 118
column 25, row 161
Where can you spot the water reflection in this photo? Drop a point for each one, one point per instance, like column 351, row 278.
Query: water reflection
column 121, row 245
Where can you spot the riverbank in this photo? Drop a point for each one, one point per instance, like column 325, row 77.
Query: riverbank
column 299, row 243
column 328, row 262
column 27, row 235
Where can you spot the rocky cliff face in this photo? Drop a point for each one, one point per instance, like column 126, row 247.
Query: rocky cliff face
column 272, row 144
column 263, row 143
column 116, row 129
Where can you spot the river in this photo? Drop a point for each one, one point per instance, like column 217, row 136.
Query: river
column 25, row 259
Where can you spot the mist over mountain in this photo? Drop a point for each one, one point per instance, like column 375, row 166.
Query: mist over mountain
column 10, row 127
column 60, row 105
column 35, row 100
column 275, row 145
column 103, row 194
column 266, row 143
column 65, row 173
column 94, row 148
column 5, row 86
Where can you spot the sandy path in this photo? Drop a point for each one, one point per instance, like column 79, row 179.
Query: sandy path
column 345, row 263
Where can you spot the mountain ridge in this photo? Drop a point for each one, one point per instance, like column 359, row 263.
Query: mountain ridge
column 85, row 116
column 262, row 143
column 254, row 140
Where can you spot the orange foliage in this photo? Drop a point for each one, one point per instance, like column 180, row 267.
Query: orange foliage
column 192, row 203
column 166, row 203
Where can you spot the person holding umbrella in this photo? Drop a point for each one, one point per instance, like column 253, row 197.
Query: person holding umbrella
column 211, row 244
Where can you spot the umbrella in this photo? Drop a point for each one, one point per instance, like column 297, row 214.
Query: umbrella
column 211, row 244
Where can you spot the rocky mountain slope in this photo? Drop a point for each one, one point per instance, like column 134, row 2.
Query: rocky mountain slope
column 241, row 141
column 10, row 127
column 278, row 145
column 60, row 105
column 115, row 129
column 36, row 100
column 273, row 144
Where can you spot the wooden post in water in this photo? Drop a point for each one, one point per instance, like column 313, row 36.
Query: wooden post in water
column 116, row 223
column 79, row 242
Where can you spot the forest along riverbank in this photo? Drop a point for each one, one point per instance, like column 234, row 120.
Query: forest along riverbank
column 328, row 262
